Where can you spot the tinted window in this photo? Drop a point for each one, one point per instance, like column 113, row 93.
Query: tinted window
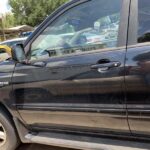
column 86, row 27
column 144, row 21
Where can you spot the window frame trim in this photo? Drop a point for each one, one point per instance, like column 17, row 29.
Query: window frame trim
column 124, row 22
column 133, row 24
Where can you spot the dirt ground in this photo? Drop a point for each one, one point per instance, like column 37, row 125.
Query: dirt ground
column 39, row 147
column 131, row 146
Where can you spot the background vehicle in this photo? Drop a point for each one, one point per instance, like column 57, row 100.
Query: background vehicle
column 11, row 42
column 59, row 89
column 5, row 47
column 5, row 52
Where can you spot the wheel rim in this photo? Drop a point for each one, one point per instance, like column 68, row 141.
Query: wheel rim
column 2, row 135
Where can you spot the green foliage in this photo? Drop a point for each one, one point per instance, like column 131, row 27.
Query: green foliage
column 9, row 20
column 33, row 12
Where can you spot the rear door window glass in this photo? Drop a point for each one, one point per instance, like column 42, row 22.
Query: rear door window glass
column 143, row 21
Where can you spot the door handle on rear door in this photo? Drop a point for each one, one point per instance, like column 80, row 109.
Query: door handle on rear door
column 105, row 66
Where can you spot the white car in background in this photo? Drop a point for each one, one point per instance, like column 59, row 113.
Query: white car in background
column 11, row 42
column 5, row 47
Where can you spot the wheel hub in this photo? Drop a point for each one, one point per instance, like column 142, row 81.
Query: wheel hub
column 2, row 135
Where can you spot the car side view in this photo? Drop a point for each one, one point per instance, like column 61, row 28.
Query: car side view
column 83, row 74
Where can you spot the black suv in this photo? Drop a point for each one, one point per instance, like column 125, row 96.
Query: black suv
column 84, row 73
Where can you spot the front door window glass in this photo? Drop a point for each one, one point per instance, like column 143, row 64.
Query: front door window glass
column 89, row 26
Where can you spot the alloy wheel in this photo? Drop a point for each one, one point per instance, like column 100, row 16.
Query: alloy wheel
column 2, row 135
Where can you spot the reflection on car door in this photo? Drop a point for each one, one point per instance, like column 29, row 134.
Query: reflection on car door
column 68, row 92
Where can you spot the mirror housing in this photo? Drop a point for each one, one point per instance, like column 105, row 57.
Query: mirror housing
column 18, row 53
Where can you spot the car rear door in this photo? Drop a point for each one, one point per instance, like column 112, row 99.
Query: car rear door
column 137, row 77
column 75, row 79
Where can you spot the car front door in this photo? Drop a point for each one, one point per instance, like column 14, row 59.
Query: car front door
column 75, row 79
column 138, row 68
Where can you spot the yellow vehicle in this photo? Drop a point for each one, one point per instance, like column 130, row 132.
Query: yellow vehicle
column 5, row 52
column 5, row 47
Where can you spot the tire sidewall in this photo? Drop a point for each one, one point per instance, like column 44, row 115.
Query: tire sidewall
column 11, row 136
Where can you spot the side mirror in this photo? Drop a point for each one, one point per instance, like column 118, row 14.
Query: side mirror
column 18, row 53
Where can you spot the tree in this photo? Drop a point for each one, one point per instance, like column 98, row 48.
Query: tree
column 9, row 20
column 33, row 12
column 6, row 21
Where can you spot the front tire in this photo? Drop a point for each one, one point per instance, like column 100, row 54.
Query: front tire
column 8, row 137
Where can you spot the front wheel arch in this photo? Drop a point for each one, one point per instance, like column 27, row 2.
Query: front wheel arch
column 4, row 108
column 8, row 128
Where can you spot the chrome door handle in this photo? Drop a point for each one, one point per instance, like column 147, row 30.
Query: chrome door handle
column 106, row 66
